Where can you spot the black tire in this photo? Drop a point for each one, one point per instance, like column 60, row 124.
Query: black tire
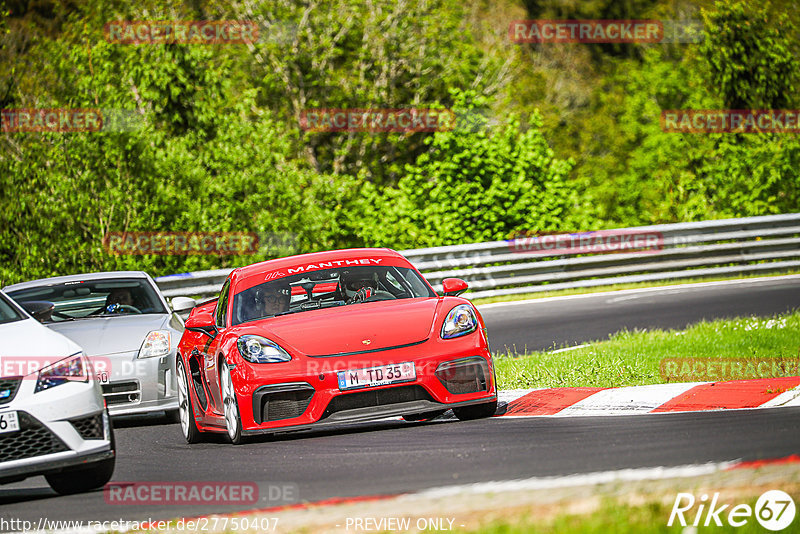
column 476, row 411
column 233, row 420
column 85, row 478
column 172, row 416
column 189, row 428
column 424, row 416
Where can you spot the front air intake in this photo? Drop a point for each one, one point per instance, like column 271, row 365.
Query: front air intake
column 464, row 376
column 281, row 401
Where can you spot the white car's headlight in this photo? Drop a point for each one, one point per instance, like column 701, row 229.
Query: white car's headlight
column 70, row 369
column 156, row 343
column 257, row 349
column 460, row 321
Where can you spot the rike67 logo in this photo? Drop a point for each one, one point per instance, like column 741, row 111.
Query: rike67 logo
column 774, row 510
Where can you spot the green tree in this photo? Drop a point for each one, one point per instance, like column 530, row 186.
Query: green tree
column 477, row 182
column 752, row 53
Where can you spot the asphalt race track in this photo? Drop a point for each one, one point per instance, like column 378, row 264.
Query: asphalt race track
column 394, row 457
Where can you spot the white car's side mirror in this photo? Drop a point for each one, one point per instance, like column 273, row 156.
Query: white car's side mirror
column 182, row 304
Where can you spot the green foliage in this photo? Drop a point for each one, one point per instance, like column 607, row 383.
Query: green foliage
column 752, row 53
column 559, row 137
column 196, row 158
column 478, row 182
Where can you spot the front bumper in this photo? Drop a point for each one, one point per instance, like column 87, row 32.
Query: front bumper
column 63, row 427
column 137, row 386
column 306, row 394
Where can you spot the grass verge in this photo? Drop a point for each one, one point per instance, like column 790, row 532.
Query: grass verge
column 621, row 518
column 633, row 358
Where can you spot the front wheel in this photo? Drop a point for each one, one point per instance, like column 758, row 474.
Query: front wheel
column 84, row 478
column 476, row 411
column 233, row 421
column 185, row 410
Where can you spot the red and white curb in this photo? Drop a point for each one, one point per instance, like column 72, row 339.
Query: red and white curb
column 659, row 398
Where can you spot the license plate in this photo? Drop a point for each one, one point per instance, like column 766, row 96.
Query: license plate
column 377, row 376
column 103, row 377
column 9, row 422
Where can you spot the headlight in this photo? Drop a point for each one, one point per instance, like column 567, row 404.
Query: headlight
column 156, row 343
column 460, row 321
column 257, row 349
column 70, row 369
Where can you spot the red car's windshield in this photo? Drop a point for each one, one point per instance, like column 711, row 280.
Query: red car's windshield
column 327, row 288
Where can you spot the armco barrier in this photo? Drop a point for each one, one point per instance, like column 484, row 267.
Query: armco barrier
column 749, row 245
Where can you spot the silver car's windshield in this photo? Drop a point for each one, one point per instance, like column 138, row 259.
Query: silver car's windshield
column 8, row 313
column 327, row 288
column 91, row 298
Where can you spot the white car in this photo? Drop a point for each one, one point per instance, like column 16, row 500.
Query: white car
column 53, row 420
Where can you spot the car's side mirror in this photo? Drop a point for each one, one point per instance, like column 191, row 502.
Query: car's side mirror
column 452, row 287
column 41, row 310
column 183, row 304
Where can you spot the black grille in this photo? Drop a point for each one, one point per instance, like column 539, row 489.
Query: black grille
column 120, row 387
column 89, row 427
column 8, row 388
column 32, row 439
column 469, row 378
column 273, row 403
column 377, row 397
column 121, row 392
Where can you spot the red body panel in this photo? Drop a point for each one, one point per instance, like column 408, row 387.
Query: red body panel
column 371, row 334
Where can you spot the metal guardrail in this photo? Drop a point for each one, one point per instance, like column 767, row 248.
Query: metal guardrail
column 688, row 250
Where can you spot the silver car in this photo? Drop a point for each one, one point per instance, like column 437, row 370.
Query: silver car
column 123, row 324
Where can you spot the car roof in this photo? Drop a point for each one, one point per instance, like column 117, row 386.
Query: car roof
column 243, row 276
column 75, row 278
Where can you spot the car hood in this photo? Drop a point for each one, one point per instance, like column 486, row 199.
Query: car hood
column 101, row 336
column 346, row 329
column 28, row 338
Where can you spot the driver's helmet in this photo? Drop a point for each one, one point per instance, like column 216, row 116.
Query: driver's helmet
column 352, row 281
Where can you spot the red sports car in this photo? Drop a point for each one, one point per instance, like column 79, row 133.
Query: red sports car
column 328, row 338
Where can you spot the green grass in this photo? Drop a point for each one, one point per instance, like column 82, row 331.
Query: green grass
column 618, row 287
column 634, row 358
column 612, row 517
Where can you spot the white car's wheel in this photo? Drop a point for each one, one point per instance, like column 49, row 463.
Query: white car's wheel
column 233, row 422
column 85, row 478
column 185, row 411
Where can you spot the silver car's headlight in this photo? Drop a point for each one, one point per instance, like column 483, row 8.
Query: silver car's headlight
column 257, row 349
column 156, row 343
column 70, row 369
column 459, row 322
